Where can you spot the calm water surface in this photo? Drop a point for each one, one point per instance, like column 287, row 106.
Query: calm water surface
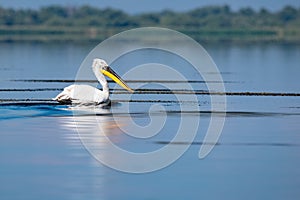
column 42, row 156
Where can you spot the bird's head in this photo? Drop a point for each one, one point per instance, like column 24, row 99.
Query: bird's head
column 99, row 64
column 102, row 66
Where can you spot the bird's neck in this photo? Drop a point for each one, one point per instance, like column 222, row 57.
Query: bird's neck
column 103, row 83
column 100, row 77
column 105, row 88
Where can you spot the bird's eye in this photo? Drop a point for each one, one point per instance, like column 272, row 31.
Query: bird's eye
column 105, row 67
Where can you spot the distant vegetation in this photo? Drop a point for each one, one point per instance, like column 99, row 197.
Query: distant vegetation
column 212, row 23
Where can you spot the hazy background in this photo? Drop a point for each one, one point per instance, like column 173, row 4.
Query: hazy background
column 138, row 6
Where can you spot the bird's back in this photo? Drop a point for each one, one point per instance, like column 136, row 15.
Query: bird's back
column 82, row 94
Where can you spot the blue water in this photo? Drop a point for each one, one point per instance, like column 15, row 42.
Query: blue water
column 42, row 155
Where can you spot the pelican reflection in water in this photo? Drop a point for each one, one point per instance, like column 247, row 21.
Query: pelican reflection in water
column 88, row 95
column 94, row 132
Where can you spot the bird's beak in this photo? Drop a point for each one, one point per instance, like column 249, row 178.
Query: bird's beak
column 115, row 77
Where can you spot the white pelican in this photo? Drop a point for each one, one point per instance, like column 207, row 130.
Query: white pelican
column 88, row 95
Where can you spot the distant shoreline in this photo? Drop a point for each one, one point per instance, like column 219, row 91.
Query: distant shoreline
column 205, row 24
column 49, row 34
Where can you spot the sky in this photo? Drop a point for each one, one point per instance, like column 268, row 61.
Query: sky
column 139, row 6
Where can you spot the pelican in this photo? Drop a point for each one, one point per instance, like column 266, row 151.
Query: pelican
column 88, row 95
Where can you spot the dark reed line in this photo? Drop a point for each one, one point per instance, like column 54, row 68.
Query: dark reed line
column 110, row 81
column 279, row 144
column 166, row 91
column 204, row 92
column 169, row 112
column 30, row 90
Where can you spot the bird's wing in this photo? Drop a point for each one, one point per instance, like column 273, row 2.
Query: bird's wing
column 79, row 94
column 65, row 95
